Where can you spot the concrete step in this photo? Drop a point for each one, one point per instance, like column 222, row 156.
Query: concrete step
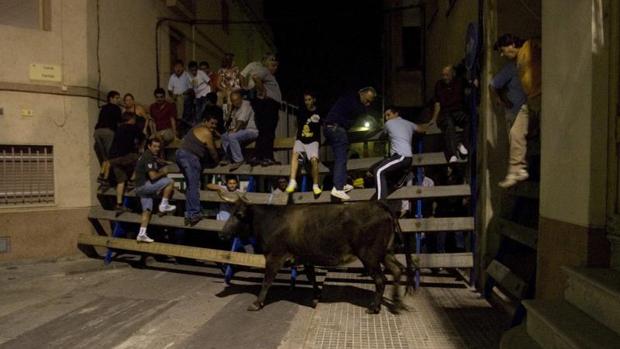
column 559, row 324
column 614, row 240
column 517, row 338
column 596, row 291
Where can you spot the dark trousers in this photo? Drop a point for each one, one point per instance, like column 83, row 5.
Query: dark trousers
column 338, row 139
column 447, row 122
column 267, row 112
column 394, row 164
column 189, row 164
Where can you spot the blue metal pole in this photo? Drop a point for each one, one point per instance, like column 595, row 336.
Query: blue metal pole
column 116, row 233
column 418, row 236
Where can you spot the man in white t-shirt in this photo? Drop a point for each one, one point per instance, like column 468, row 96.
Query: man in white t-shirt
column 179, row 87
column 241, row 130
column 200, row 84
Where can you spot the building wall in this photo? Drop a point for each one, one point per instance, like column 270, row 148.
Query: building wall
column 573, row 141
column 65, row 112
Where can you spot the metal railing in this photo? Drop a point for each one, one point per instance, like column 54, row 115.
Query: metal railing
column 27, row 175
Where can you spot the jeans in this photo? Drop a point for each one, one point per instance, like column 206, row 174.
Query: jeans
column 191, row 169
column 231, row 143
column 339, row 141
column 267, row 114
column 447, row 123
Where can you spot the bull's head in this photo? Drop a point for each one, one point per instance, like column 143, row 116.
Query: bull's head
column 241, row 216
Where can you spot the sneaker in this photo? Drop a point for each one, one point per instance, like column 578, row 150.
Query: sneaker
column 340, row 194
column 253, row 162
column 144, row 238
column 267, row 162
column 224, row 162
column 461, row 148
column 347, row 188
column 167, row 208
column 453, row 159
column 316, row 190
column 235, row 165
column 514, row 177
column 190, row 222
column 292, row 185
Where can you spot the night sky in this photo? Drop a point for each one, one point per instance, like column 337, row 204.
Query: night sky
column 326, row 46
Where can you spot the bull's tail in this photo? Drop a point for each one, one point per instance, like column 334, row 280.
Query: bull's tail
column 410, row 266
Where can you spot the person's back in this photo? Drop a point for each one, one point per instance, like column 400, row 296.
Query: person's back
column 126, row 140
column 109, row 117
column 344, row 111
column 400, row 132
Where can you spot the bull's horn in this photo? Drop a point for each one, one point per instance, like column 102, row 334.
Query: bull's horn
column 224, row 197
column 243, row 198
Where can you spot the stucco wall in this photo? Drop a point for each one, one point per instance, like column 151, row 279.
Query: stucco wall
column 574, row 120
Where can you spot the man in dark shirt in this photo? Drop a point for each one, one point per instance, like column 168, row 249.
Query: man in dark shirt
column 151, row 180
column 339, row 119
column 450, row 108
column 307, row 141
column 109, row 118
column 123, row 155
column 164, row 115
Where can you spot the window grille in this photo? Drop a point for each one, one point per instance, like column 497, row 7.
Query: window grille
column 26, row 175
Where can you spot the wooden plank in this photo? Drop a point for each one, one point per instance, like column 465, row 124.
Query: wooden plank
column 524, row 235
column 218, row 256
column 212, row 196
column 441, row 260
column 409, row 192
column 284, row 143
column 525, row 189
column 423, row 159
column 165, row 221
column 247, row 170
column 507, row 279
column 436, row 224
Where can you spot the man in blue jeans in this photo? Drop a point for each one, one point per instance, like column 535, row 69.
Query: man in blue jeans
column 242, row 130
column 339, row 119
column 198, row 144
column 151, row 180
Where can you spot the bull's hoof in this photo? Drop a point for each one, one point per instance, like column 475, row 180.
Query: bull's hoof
column 373, row 309
column 256, row 306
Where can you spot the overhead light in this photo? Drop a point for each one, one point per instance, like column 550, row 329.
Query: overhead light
column 367, row 124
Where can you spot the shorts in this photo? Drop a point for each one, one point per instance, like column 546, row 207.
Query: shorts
column 149, row 190
column 311, row 149
column 124, row 166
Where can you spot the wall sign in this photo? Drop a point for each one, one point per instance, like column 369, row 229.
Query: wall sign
column 45, row 72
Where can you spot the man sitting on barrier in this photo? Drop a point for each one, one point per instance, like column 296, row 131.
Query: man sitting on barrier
column 231, row 186
column 197, row 145
column 151, row 180
column 242, row 130
column 308, row 139
column 400, row 132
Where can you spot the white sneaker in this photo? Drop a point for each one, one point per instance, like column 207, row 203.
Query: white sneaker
column 347, row 188
column 166, row 208
column 292, row 185
column 316, row 189
column 453, row 159
column 340, row 194
column 144, row 238
column 514, row 177
column 461, row 148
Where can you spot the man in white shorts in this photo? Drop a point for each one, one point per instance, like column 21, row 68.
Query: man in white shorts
column 307, row 141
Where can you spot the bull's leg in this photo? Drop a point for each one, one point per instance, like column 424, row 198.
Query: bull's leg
column 395, row 268
column 374, row 269
column 315, row 287
column 273, row 264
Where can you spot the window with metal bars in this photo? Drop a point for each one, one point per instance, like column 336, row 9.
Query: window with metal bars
column 26, row 175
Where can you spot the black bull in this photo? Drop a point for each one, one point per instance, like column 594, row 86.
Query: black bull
column 325, row 235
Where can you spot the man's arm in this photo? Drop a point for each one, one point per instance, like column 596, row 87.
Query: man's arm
column 499, row 98
column 436, row 110
column 214, row 187
column 211, row 147
column 155, row 175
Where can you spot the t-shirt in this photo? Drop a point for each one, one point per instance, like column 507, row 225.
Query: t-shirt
column 229, row 78
column 146, row 163
column 400, row 132
column 109, row 117
column 272, row 88
column 162, row 115
column 245, row 113
column 345, row 110
column 200, row 84
column 529, row 65
column 126, row 139
column 308, row 126
column 179, row 84
column 450, row 96
column 508, row 78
